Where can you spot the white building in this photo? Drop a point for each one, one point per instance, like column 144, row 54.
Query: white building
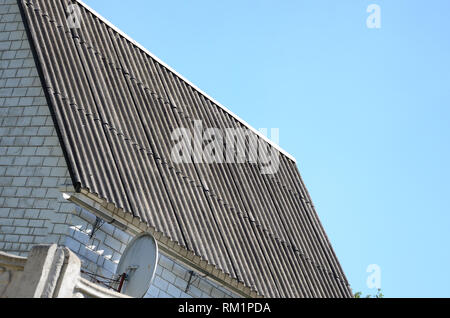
column 85, row 122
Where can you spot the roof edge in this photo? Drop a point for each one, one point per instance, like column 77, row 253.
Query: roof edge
column 98, row 15
column 102, row 208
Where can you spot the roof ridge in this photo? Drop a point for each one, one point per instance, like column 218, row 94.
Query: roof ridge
column 127, row 37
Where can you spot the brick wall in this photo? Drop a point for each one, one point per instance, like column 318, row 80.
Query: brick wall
column 101, row 253
column 33, row 168
column 171, row 281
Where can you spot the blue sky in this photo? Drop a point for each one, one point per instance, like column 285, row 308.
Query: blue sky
column 366, row 112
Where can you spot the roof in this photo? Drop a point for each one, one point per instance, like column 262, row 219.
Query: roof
column 115, row 106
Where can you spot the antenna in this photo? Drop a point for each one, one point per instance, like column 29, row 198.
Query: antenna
column 137, row 266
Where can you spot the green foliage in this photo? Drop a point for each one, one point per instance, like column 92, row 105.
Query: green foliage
column 379, row 294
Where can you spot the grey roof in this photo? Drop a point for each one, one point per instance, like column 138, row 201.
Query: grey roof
column 115, row 106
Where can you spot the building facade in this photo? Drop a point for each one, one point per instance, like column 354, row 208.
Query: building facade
column 76, row 175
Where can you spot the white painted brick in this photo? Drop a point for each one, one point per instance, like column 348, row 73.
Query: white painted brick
column 166, row 263
column 42, row 171
column 72, row 244
column 24, row 247
column 21, row 222
column 16, row 45
column 100, row 236
column 39, row 192
column 168, row 276
column 11, row 202
column 152, row 292
column 180, row 283
column 34, row 181
column 205, row 286
column 26, row 81
column 109, row 266
column 36, row 141
column 46, row 214
column 27, row 171
column 36, row 223
column 41, row 203
column 24, row 72
column 5, row 222
column 19, row 91
column 30, row 131
column 81, row 237
column 216, row 293
column 60, row 229
column 58, row 172
column 26, row 239
column 113, row 243
column 91, row 256
column 108, row 229
column 115, row 257
column 39, row 231
column 35, row 161
column 160, row 283
column 11, row 238
column 21, row 230
column 121, row 236
column 88, row 217
column 163, row 294
column 19, row 181
column 50, row 161
column 173, row 291
column 53, row 194
column 7, row 229
column 31, row 214
column 17, row 213
column 24, row 192
column 159, row 270
column 49, row 182
column 66, row 207
column 9, row 191
column 34, row 91
column 101, row 270
column 107, row 251
column 51, row 141
column 194, row 291
column 5, row 181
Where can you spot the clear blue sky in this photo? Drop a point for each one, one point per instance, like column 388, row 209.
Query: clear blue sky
column 366, row 112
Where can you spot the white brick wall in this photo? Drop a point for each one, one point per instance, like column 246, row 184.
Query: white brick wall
column 33, row 168
column 171, row 281
column 101, row 254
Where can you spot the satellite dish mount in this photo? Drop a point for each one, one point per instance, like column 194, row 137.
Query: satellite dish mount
column 137, row 266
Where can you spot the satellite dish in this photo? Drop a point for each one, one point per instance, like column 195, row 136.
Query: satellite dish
column 137, row 266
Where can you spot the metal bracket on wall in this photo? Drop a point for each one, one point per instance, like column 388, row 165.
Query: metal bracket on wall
column 191, row 274
column 192, row 277
column 97, row 225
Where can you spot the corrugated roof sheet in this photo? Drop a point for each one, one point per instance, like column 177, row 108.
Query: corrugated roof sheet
column 116, row 106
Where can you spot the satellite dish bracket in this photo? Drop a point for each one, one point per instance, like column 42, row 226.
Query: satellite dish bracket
column 137, row 265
